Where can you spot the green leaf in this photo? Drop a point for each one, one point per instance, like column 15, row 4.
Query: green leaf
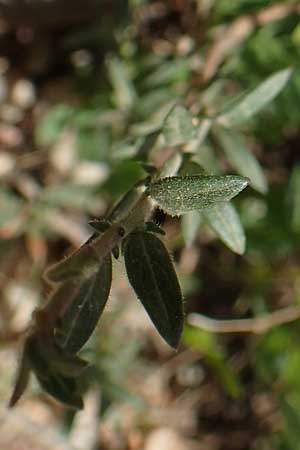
column 294, row 198
column 124, row 91
column 70, row 195
column 85, row 309
column 64, row 389
column 51, row 124
column 208, row 346
column 241, row 158
column 180, row 195
column 256, row 100
column 178, row 127
column 153, row 277
column 190, row 224
column 225, row 222
column 11, row 206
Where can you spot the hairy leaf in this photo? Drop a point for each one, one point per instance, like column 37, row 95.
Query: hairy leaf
column 241, row 158
column 153, row 277
column 178, row 127
column 225, row 222
column 85, row 309
column 180, row 195
column 64, row 389
column 255, row 100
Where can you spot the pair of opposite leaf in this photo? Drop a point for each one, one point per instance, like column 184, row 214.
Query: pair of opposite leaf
column 84, row 281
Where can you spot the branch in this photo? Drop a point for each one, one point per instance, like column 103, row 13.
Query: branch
column 257, row 325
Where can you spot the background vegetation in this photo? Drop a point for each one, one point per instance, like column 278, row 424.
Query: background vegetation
column 83, row 100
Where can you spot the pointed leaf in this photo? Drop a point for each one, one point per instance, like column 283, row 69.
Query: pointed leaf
column 255, row 100
column 241, row 158
column 190, row 224
column 225, row 222
column 64, row 389
column 178, row 127
column 85, row 309
column 180, row 195
column 22, row 380
column 153, row 277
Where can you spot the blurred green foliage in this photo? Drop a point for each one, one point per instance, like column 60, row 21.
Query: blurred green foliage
column 117, row 124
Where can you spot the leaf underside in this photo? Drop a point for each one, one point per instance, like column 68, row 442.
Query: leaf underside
column 153, row 277
column 225, row 222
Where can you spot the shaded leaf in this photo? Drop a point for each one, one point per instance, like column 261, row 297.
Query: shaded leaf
column 241, row 158
column 154, row 228
column 179, row 195
column 22, row 380
column 225, row 222
column 64, row 389
column 85, row 309
column 294, row 198
column 178, row 127
column 254, row 101
column 153, row 277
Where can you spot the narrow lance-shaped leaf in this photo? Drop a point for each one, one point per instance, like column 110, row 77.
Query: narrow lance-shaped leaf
column 180, row 195
column 190, row 224
column 225, row 222
column 178, row 127
column 254, row 101
column 241, row 158
column 153, row 277
column 294, row 198
column 124, row 91
column 22, row 379
column 85, row 309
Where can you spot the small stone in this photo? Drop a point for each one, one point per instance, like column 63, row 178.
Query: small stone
column 24, row 94
column 7, row 163
column 63, row 155
column 167, row 439
column 90, row 173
